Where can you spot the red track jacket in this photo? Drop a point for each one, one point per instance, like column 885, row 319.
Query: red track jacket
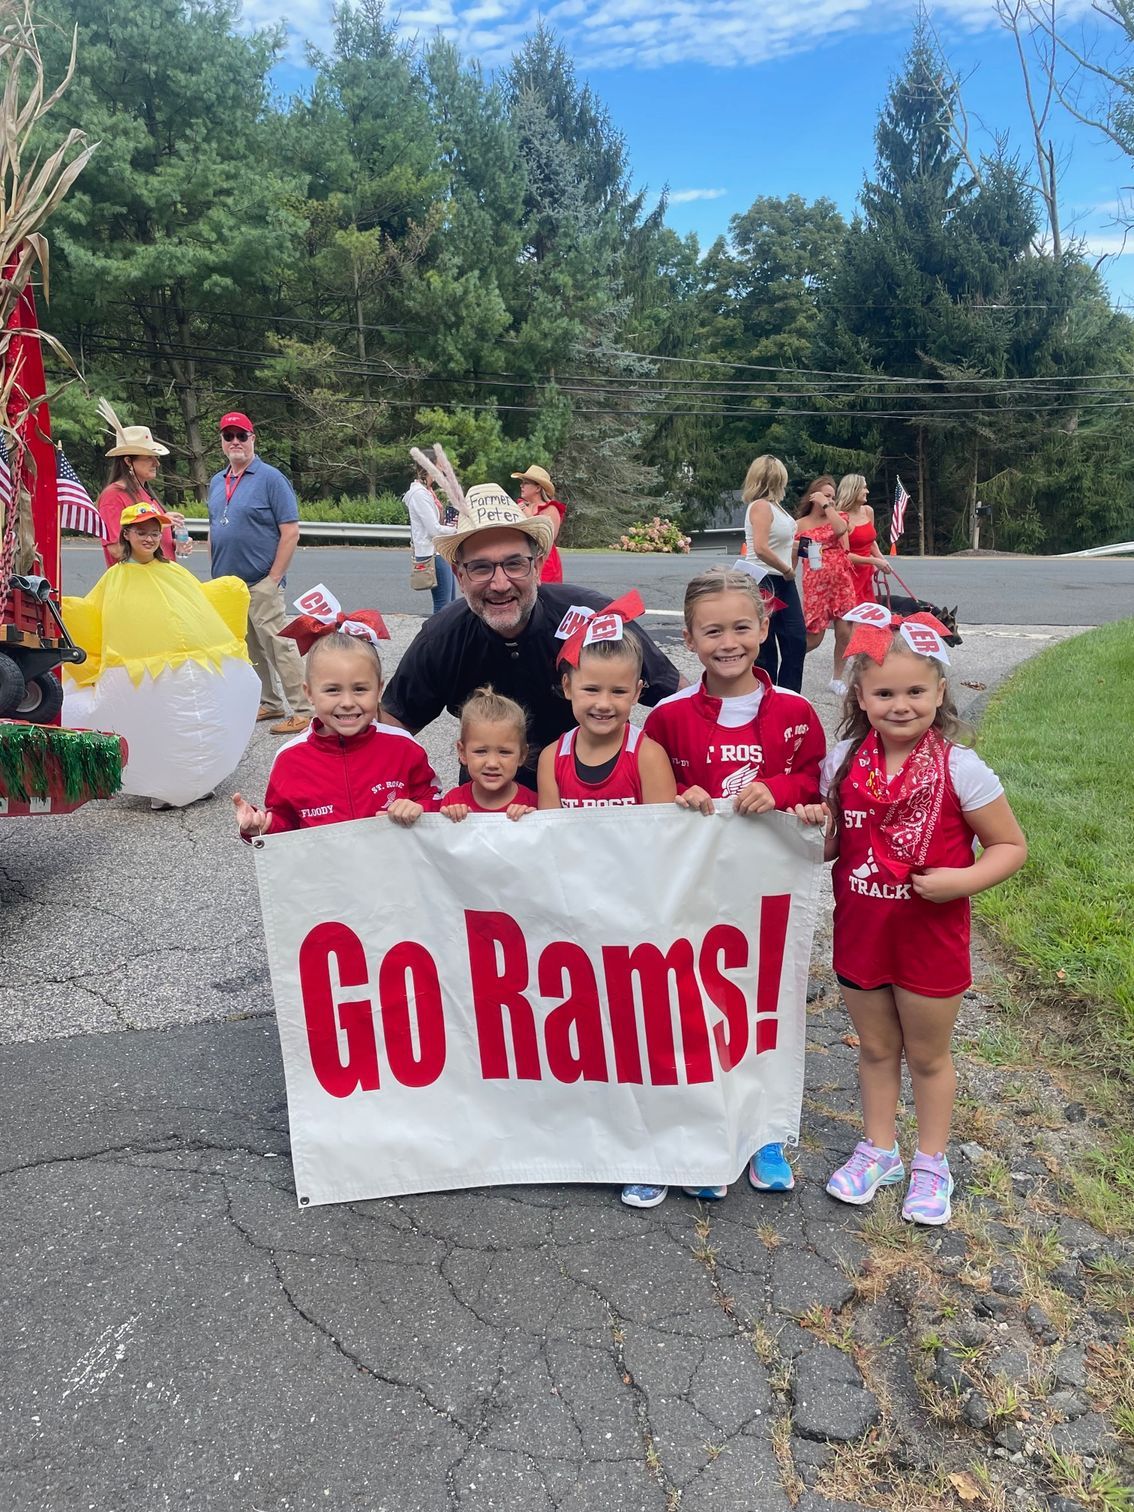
column 782, row 747
column 324, row 779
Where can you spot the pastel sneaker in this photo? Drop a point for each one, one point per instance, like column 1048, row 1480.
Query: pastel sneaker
column 868, row 1169
column 706, row 1194
column 931, row 1186
column 639, row 1195
column 768, row 1171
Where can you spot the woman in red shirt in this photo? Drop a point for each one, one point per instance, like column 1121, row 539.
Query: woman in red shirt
column 537, row 496
column 136, row 461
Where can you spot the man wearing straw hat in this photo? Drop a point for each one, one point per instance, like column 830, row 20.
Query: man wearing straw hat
column 507, row 630
column 253, row 533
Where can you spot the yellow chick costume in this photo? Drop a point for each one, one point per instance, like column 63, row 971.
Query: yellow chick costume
column 167, row 667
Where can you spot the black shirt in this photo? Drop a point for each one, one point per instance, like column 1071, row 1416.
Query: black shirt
column 454, row 653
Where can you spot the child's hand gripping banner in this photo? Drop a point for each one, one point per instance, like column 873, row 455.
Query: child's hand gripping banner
column 615, row 999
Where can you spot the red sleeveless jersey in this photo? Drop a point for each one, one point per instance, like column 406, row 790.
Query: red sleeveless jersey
column 622, row 787
column 884, row 933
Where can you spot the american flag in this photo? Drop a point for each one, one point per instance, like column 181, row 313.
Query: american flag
column 77, row 510
column 898, row 517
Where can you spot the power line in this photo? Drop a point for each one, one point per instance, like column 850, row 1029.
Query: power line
column 623, row 352
column 344, row 400
column 634, row 391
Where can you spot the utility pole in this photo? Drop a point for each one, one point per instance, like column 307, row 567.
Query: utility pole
column 980, row 512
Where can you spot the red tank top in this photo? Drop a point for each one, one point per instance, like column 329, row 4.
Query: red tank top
column 884, row 933
column 623, row 787
column 464, row 794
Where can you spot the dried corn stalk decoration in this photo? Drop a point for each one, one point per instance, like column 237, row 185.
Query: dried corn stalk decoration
column 32, row 184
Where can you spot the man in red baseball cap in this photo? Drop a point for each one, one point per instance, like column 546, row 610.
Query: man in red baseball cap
column 253, row 533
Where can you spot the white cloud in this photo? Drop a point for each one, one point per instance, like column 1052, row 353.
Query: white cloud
column 1108, row 244
column 683, row 196
column 647, row 33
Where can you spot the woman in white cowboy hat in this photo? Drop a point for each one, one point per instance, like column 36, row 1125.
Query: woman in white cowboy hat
column 537, row 497
column 135, row 462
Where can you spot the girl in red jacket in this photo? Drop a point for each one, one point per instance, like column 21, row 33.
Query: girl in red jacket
column 345, row 765
column 734, row 735
column 905, row 804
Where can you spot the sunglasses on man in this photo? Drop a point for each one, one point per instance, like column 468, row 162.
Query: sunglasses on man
column 234, row 433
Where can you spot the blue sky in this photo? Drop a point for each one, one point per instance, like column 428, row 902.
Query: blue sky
column 725, row 100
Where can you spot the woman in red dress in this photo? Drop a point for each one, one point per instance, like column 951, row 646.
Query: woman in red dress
column 862, row 543
column 828, row 589
column 537, row 496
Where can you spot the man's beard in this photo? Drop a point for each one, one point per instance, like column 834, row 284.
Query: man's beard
column 509, row 617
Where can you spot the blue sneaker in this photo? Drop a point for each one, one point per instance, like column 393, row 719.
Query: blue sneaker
column 640, row 1196
column 706, row 1194
column 768, row 1171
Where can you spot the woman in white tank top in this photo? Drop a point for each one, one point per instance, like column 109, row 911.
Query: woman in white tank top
column 769, row 532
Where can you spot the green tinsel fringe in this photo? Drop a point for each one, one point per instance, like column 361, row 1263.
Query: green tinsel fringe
column 39, row 760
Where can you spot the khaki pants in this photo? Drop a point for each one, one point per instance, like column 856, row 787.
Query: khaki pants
column 271, row 653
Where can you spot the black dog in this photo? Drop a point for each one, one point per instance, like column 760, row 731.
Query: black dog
column 903, row 605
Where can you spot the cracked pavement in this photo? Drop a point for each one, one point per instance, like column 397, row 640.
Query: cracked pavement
column 178, row 1334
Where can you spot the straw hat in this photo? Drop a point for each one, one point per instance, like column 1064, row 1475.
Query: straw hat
column 538, row 476
column 133, row 440
column 488, row 507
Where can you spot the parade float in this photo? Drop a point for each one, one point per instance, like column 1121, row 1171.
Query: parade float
column 43, row 768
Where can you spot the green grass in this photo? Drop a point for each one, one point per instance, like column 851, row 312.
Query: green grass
column 1060, row 735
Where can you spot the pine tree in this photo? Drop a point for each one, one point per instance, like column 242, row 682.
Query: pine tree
column 180, row 225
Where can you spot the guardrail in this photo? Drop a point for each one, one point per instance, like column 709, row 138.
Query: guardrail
column 723, row 538
column 328, row 530
column 726, row 538
column 1120, row 548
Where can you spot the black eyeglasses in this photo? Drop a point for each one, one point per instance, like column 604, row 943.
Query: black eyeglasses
column 235, row 435
column 515, row 568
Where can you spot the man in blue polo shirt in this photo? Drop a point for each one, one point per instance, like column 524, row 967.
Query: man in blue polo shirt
column 253, row 533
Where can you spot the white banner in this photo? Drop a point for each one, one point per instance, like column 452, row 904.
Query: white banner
column 609, row 998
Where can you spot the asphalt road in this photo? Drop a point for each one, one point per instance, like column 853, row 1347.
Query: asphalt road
column 176, row 1334
column 988, row 590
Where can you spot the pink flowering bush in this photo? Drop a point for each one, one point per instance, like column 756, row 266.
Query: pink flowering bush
column 653, row 535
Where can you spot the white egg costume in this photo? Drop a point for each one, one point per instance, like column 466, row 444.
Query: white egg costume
column 167, row 667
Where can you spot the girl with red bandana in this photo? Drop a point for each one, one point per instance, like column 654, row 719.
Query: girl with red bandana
column 905, row 804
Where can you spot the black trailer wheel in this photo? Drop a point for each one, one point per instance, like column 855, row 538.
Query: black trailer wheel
column 11, row 685
column 42, row 700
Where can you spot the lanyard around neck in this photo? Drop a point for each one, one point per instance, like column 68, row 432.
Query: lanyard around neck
column 231, row 484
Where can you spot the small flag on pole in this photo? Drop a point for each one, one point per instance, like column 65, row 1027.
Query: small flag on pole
column 898, row 517
column 5, row 478
column 77, row 510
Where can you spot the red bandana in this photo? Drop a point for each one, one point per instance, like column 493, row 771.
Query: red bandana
column 903, row 809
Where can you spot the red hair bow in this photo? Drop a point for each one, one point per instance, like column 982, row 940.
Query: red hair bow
column 581, row 626
column 874, row 627
column 367, row 624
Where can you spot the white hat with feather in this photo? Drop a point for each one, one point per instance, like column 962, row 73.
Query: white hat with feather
column 133, row 440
